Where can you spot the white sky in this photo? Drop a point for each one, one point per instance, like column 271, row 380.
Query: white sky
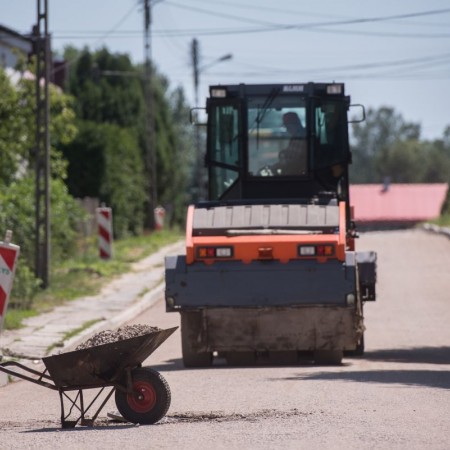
column 403, row 62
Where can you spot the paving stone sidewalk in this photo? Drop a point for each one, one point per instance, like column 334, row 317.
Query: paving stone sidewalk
column 119, row 301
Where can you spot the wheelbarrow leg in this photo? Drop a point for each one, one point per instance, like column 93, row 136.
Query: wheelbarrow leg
column 90, row 422
column 70, row 423
column 65, row 423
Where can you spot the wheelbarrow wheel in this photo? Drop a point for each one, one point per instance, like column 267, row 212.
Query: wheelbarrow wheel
column 151, row 398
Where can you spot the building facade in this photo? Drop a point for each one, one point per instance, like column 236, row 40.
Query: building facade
column 13, row 47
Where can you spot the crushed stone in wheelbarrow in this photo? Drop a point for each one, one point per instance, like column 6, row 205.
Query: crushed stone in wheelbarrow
column 122, row 333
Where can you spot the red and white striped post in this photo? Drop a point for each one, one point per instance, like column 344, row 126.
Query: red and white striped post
column 9, row 253
column 105, row 231
column 160, row 213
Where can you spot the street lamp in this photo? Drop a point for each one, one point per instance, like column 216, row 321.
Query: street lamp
column 197, row 70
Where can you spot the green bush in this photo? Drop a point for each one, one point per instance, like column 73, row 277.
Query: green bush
column 122, row 186
column 105, row 162
column 25, row 288
column 17, row 213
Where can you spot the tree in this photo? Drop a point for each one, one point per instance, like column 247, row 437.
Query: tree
column 404, row 161
column 437, row 162
column 17, row 175
column 122, row 183
column 184, row 155
column 382, row 128
column 385, row 146
column 439, row 167
column 109, row 89
column 13, row 133
column 174, row 150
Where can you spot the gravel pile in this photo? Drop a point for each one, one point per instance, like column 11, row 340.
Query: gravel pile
column 109, row 336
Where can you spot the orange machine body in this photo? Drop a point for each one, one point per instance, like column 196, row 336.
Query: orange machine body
column 281, row 247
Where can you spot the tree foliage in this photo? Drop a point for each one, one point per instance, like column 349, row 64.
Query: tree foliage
column 109, row 90
column 13, row 133
column 381, row 129
column 385, row 147
column 17, row 174
column 123, row 184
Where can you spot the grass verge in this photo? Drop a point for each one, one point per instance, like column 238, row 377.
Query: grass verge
column 71, row 334
column 86, row 273
column 442, row 221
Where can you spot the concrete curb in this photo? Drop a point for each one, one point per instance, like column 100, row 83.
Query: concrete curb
column 147, row 275
column 148, row 300
column 145, row 302
column 445, row 231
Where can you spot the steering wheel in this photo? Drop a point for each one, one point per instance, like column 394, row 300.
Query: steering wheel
column 266, row 171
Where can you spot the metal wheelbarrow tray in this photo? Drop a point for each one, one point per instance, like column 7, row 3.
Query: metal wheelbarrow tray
column 142, row 394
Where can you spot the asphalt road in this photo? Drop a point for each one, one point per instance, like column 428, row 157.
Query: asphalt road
column 397, row 396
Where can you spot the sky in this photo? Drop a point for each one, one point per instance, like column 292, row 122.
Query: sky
column 388, row 53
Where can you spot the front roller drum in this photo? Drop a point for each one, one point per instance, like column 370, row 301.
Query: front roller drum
column 150, row 399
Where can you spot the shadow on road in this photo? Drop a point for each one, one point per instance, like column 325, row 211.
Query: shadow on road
column 169, row 366
column 428, row 378
column 418, row 355
column 425, row 355
column 79, row 428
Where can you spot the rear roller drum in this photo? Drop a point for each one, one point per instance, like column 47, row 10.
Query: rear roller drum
column 191, row 358
column 150, row 399
column 359, row 351
column 328, row 357
column 283, row 357
column 191, row 324
column 241, row 358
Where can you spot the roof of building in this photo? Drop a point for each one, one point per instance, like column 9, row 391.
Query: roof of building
column 6, row 32
column 397, row 202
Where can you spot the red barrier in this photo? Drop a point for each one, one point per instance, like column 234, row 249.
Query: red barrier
column 105, row 232
column 9, row 254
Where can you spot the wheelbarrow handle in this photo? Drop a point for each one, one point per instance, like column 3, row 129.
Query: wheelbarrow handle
column 41, row 375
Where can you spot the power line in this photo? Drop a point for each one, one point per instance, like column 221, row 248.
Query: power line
column 384, row 34
column 236, row 31
column 350, row 71
column 120, row 22
column 270, row 26
column 395, row 63
column 265, row 8
column 218, row 14
column 318, row 24
column 292, row 12
column 106, row 34
column 171, row 42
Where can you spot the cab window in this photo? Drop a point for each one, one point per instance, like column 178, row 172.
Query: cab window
column 276, row 136
column 331, row 133
column 224, row 148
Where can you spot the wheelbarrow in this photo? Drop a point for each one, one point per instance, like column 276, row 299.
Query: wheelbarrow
column 142, row 394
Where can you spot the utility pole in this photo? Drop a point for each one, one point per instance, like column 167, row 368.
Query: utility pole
column 195, row 60
column 42, row 149
column 198, row 193
column 149, row 122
